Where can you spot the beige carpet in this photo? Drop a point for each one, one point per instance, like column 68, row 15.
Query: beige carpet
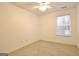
column 45, row 48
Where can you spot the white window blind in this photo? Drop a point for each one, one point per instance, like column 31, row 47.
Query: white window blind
column 63, row 26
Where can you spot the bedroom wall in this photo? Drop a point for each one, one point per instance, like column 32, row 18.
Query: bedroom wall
column 48, row 27
column 18, row 28
column 78, row 24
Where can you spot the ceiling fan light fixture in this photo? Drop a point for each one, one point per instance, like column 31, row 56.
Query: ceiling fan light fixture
column 43, row 6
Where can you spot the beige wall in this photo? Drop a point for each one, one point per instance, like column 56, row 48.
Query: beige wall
column 48, row 27
column 78, row 24
column 18, row 27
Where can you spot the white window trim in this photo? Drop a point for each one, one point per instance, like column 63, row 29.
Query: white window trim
column 70, row 27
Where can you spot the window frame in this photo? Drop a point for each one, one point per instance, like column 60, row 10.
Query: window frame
column 70, row 26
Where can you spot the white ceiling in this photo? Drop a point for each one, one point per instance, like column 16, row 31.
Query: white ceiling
column 55, row 6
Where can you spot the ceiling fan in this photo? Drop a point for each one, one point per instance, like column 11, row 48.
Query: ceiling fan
column 43, row 6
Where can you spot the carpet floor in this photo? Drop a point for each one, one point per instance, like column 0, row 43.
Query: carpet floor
column 45, row 48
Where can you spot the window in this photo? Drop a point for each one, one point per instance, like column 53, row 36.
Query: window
column 63, row 26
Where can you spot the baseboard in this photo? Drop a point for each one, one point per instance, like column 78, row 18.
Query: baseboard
column 59, row 43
